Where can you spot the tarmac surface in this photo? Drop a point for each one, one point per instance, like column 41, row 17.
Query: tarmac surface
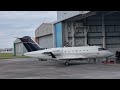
column 30, row 68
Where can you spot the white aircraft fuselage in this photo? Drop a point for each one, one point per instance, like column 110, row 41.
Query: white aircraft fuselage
column 63, row 53
column 71, row 53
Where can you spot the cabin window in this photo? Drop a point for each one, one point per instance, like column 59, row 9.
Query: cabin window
column 53, row 51
column 101, row 49
column 58, row 50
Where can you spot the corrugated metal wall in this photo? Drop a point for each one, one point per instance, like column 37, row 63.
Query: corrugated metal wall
column 113, row 38
column 43, row 29
column 112, row 31
column 44, row 36
column 95, row 35
column 46, row 41
column 19, row 48
column 61, row 15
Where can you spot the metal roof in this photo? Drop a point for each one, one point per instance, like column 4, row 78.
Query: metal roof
column 82, row 16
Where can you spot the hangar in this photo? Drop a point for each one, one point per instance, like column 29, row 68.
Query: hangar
column 19, row 48
column 44, row 36
column 79, row 28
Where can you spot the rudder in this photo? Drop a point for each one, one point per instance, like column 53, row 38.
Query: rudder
column 29, row 44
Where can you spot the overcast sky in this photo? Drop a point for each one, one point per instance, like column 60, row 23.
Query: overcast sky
column 21, row 23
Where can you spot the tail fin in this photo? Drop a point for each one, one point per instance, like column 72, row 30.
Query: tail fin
column 29, row 44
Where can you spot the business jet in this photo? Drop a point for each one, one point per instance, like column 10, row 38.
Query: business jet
column 63, row 53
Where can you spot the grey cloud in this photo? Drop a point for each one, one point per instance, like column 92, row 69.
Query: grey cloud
column 21, row 23
column 26, row 15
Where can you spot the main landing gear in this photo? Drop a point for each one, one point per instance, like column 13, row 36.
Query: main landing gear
column 42, row 59
column 67, row 63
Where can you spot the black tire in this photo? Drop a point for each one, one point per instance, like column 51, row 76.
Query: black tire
column 66, row 63
column 39, row 59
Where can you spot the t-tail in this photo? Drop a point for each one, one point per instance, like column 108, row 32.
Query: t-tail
column 30, row 44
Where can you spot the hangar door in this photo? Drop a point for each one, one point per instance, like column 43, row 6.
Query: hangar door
column 46, row 41
column 112, row 37
column 95, row 35
column 19, row 49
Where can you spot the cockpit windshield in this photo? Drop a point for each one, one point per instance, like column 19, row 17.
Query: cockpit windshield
column 101, row 49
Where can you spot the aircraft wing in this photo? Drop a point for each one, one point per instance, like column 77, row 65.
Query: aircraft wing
column 68, row 57
column 50, row 53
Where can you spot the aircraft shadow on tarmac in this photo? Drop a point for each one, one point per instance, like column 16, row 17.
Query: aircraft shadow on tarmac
column 62, row 64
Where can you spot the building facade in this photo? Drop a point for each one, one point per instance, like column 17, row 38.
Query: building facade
column 6, row 50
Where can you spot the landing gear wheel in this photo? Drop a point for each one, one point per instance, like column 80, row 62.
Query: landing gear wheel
column 67, row 63
column 39, row 59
